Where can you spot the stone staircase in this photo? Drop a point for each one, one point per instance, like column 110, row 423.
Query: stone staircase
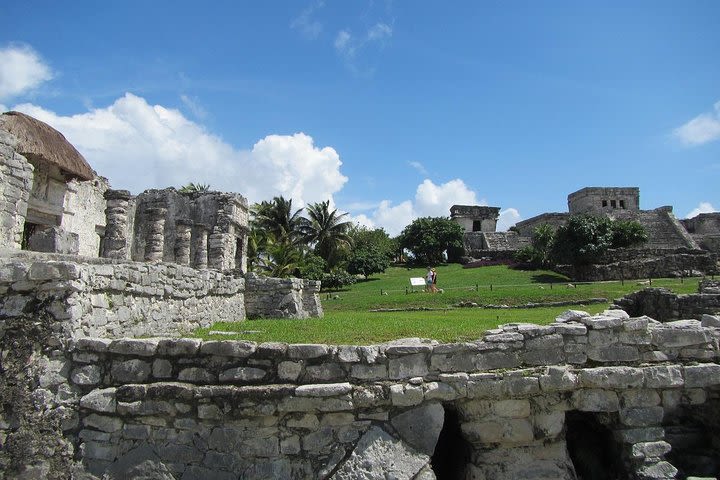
column 663, row 229
column 504, row 241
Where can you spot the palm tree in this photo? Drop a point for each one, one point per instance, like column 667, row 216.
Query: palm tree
column 277, row 219
column 326, row 230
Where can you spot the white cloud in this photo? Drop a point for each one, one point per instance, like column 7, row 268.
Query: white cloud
column 430, row 200
column 306, row 24
column 419, row 167
column 702, row 129
column 343, row 43
column 379, row 31
column 435, row 200
column 139, row 146
column 508, row 218
column 703, row 207
column 21, row 70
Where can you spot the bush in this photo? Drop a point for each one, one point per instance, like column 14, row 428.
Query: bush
column 337, row 279
column 428, row 237
column 367, row 262
column 312, row 267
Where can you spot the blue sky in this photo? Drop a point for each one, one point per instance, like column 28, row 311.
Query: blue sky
column 392, row 109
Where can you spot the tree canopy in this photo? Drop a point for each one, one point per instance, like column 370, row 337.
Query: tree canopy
column 428, row 237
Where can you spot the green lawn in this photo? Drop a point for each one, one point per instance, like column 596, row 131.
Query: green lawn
column 348, row 319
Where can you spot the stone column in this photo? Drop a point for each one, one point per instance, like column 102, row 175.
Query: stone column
column 201, row 246
column 115, row 244
column 155, row 240
column 220, row 251
column 183, row 236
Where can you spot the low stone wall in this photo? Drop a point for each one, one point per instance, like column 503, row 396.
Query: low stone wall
column 267, row 297
column 646, row 266
column 662, row 304
column 120, row 299
column 186, row 408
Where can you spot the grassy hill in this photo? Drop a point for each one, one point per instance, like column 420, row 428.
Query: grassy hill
column 349, row 319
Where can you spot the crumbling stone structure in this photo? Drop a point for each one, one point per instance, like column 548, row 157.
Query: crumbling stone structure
column 662, row 304
column 705, row 230
column 598, row 200
column 517, row 403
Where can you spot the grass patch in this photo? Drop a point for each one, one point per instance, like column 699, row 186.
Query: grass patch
column 348, row 319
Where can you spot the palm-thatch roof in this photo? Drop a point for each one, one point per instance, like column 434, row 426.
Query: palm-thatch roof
column 39, row 141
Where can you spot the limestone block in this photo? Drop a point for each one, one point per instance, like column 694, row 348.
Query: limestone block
column 324, row 373
column 485, row 385
column 602, row 338
column 379, row 456
column 412, row 348
column 558, row 379
column 271, row 350
column 289, row 371
column 369, row 396
column 663, row 376
column 496, row 360
column 702, row 375
column 499, row 431
column 548, row 356
column 668, row 337
column 306, row 421
column 86, row 375
column 594, row 400
column 136, row 432
column 408, row 366
column 103, row 423
column 420, row 427
column 406, row 395
column 637, row 324
column 337, row 419
column 139, row 347
column 637, row 435
column 319, row 441
column 710, row 320
column 369, row 372
column 348, row 353
column 611, row 377
column 460, row 362
column 439, row 391
column 176, row 347
column 639, row 398
column 600, row 322
column 307, row 351
column 518, row 386
column 102, row 400
column 572, row 329
column 242, row 374
column 512, row 408
column 549, row 425
column 613, row 353
column 323, row 390
column 641, row 416
column 228, row 348
column 505, row 337
column 161, row 368
column 616, row 313
column 571, row 315
column 657, row 471
column 644, row 450
column 130, row 371
column 290, row 445
column 196, row 375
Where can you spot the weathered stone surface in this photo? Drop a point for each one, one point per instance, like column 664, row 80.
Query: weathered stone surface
column 420, row 427
column 595, row 400
column 571, row 315
column 408, row 366
column 323, row 390
column 663, row 376
column 102, row 400
column 611, row 377
column 242, row 374
column 307, row 351
column 228, row 348
column 702, row 375
column 499, row 431
column 379, row 456
column 130, row 371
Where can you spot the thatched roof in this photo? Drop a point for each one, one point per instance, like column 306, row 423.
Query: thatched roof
column 39, row 141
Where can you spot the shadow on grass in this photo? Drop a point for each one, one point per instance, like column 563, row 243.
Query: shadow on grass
column 366, row 280
column 549, row 278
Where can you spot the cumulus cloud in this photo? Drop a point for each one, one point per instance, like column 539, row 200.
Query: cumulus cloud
column 139, row 146
column 431, row 200
column 703, row 207
column 702, row 129
column 508, row 218
column 21, row 70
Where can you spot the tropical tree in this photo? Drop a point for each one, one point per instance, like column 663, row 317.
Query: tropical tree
column 372, row 251
column 428, row 237
column 326, row 231
column 278, row 219
column 538, row 253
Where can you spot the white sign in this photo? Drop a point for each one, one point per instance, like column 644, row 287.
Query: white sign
column 417, row 282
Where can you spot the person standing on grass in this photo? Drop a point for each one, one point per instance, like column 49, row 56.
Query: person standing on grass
column 429, row 278
column 434, row 281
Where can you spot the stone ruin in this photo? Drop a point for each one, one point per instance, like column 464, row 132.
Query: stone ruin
column 674, row 247
column 98, row 379
column 161, row 247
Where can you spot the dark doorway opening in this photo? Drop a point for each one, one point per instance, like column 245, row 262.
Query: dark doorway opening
column 593, row 450
column 694, row 434
column 477, row 226
column 452, row 452
column 238, row 252
column 28, row 231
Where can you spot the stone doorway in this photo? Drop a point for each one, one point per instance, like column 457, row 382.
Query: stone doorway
column 593, row 450
column 452, row 452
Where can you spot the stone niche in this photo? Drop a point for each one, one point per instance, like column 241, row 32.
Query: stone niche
column 201, row 229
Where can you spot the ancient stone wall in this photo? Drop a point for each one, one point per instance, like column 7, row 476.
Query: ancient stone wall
column 596, row 200
column 500, row 407
column 555, row 220
column 16, row 177
column 267, row 297
column 663, row 305
column 122, row 299
column 84, row 214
